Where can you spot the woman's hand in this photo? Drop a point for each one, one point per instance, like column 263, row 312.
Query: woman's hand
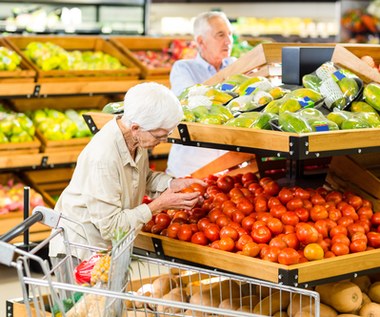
column 170, row 199
column 177, row 184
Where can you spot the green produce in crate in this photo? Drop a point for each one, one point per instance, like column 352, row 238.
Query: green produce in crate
column 291, row 105
column 114, row 107
column 338, row 117
column 9, row 60
column 82, row 128
column 371, row 94
column 349, row 87
column 200, row 111
column 212, row 119
column 361, row 106
column 3, row 138
column 241, row 122
column 188, row 115
column 291, row 122
column 221, row 110
column 262, row 122
column 355, row 123
column 311, row 81
column 306, row 92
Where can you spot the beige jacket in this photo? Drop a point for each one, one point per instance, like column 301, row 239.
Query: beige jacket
column 106, row 191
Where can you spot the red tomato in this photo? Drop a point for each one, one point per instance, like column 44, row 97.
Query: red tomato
column 307, row 204
column 291, row 240
column 248, row 222
column 278, row 242
column 254, row 187
column 203, row 223
column 288, row 256
column 373, row 239
column 290, row 218
column 277, row 211
column 185, row 232
column 294, row 203
column 222, row 221
column 302, row 213
column 220, row 198
column 228, row 231
column 251, row 249
column 212, row 232
column 261, row 234
column 181, row 214
column 245, row 206
column 241, row 231
column 358, row 245
column 340, row 248
column 273, row 201
column 365, row 212
column 359, row 236
column 162, row 219
column 235, row 193
column 261, row 205
column 345, row 221
column 271, row 188
column 355, row 201
column 271, row 254
column 198, row 212
column 289, row 229
column 249, row 177
column 226, row 244
column 156, row 229
column 215, row 214
column 340, row 238
column 285, row 195
column 306, row 233
column 225, row 183
column 317, row 199
column 325, row 244
column 338, row 229
column 275, row 226
column 238, row 216
column 334, row 214
column 322, row 228
column 258, row 223
column 322, row 191
column 199, row 238
column 173, row 230
column 318, row 212
column 215, row 244
column 242, row 241
column 301, row 193
column 334, row 196
column 329, row 254
column 148, row 226
column 375, row 219
column 198, row 188
column 349, row 211
column 353, row 228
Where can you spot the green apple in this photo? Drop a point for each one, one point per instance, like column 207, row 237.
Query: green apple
column 3, row 138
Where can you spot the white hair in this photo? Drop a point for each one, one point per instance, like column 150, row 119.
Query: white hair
column 152, row 106
column 201, row 23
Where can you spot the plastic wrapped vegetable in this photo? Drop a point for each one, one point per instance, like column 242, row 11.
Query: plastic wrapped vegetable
column 82, row 272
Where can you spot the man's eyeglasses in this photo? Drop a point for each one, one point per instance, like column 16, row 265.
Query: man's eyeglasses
column 161, row 138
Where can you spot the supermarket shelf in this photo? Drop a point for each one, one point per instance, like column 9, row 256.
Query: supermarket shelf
column 300, row 275
column 39, row 160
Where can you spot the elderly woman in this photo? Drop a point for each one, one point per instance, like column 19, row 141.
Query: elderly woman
column 112, row 173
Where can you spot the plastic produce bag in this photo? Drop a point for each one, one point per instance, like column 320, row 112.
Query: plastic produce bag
column 338, row 86
column 82, row 272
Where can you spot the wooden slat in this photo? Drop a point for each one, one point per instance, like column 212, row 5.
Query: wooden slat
column 257, row 268
column 348, row 56
column 226, row 161
column 17, row 89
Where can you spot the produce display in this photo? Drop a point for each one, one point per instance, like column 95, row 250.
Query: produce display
column 12, row 197
column 9, row 59
column 259, row 218
column 331, row 98
column 49, row 56
column 178, row 49
column 58, row 125
column 15, row 127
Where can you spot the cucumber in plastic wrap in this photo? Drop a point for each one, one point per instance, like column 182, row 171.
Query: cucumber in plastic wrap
column 292, row 122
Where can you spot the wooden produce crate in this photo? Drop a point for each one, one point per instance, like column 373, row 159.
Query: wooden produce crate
column 11, row 219
column 359, row 173
column 129, row 45
column 348, row 56
column 24, row 75
column 49, row 184
column 310, row 273
column 258, row 62
column 81, row 43
column 32, row 147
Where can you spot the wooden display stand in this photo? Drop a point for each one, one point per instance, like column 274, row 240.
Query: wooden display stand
column 128, row 45
column 348, row 56
column 81, row 43
column 26, row 73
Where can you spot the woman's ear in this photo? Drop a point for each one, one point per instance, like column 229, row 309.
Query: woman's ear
column 134, row 127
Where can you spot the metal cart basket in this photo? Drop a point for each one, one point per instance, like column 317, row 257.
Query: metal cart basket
column 142, row 286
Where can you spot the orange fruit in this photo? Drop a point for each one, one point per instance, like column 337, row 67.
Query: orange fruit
column 313, row 251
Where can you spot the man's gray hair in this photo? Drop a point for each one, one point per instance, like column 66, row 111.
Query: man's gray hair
column 201, row 23
column 152, row 106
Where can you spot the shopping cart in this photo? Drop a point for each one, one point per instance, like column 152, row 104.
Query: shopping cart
column 142, row 286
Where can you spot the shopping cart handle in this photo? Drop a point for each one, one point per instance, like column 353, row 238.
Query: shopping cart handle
column 41, row 214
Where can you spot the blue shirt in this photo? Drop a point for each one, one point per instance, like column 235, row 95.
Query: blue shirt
column 184, row 160
column 188, row 72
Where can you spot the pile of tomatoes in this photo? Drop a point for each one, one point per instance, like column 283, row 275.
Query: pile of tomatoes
column 258, row 218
